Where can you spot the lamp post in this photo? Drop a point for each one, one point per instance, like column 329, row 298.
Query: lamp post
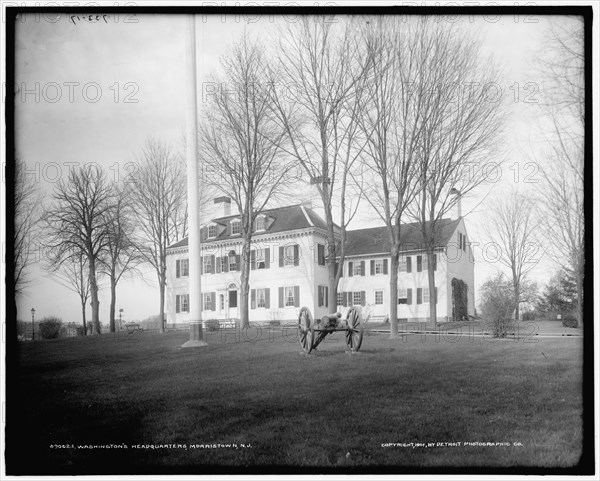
column 33, row 324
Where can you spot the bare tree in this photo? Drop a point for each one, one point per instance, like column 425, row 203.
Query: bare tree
column 513, row 228
column 72, row 274
column 158, row 199
column 77, row 222
column 122, row 255
column 462, row 118
column 316, row 89
column 561, row 188
column 391, row 121
column 241, row 145
column 26, row 216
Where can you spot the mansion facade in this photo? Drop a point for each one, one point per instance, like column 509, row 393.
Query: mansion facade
column 289, row 269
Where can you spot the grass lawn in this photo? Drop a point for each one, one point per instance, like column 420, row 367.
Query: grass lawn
column 322, row 412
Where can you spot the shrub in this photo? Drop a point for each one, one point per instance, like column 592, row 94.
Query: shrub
column 570, row 321
column 50, row 327
column 79, row 330
column 211, row 325
column 497, row 304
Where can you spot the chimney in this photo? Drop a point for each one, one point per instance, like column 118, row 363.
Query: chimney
column 224, row 208
column 457, row 205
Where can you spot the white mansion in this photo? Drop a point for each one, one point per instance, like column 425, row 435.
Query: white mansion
column 289, row 271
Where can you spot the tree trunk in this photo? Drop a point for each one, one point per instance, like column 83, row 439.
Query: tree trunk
column 113, row 301
column 579, row 285
column 516, row 289
column 83, row 301
column 162, row 281
column 432, row 294
column 94, row 296
column 245, row 284
column 331, row 258
column 394, row 295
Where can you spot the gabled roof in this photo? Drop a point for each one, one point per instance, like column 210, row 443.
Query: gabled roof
column 375, row 240
column 283, row 219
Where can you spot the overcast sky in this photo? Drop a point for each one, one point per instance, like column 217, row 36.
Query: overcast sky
column 94, row 92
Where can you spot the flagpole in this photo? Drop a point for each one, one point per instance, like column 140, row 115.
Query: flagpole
column 195, row 293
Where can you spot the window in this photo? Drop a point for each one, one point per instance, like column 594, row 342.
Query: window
column 236, row 227
column 402, row 296
column 356, row 298
column 260, row 259
column 212, row 231
column 260, row 298
column 419, row 263
column 379, row 266
column 357, row 269
column 224, row 263
column 184, row 302
column 288, row 256
column 182, row 268
column 323, row 292
column 222, row 301
column 321, row 254
column 208, row 267
column 340, row 298
column 208, row 302
column 379, row 297
column 232, row 261
column 289, row 297
column 425, row 295
column 403, row 264
column 259, row 223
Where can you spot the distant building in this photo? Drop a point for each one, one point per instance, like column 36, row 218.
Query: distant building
column 289, row 269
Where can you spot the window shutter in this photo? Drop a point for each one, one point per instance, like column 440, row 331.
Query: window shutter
column 408, row 264
column 281, row 256
column 296, row 296
column 218, row 265
column 296, row 256
column 252, row 260
column 177, row 303
column 212, row 264
column 267, row 298
column 226, row 264
column 252, row 298
column 326, row 296
column 178, row 268
column 201, row 265
column 409, row 296
column 372, row 267
column 237, row 262
column 267, row 258
column 213, row 299
column 419, row 295
column 281, row 297
column 321, row 254
column 319, row 298
column 362, row 268
column 419, row 263
column 350, row 267
column 362, row 298
column 385, row 266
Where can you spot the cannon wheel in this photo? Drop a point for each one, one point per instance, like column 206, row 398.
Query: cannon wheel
column 354, row 334
column 306, row 329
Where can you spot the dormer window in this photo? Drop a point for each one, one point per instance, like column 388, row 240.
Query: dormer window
column 259, row 223
column 212, row 231
column 236, row 227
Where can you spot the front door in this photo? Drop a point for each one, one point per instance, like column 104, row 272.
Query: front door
column 233, row 304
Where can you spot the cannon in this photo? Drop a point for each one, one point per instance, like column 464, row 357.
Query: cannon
column 311, row 333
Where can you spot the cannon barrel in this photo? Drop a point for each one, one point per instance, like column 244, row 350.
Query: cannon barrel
column 331, row 317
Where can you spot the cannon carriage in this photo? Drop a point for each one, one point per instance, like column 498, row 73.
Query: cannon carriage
column 312, row 333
